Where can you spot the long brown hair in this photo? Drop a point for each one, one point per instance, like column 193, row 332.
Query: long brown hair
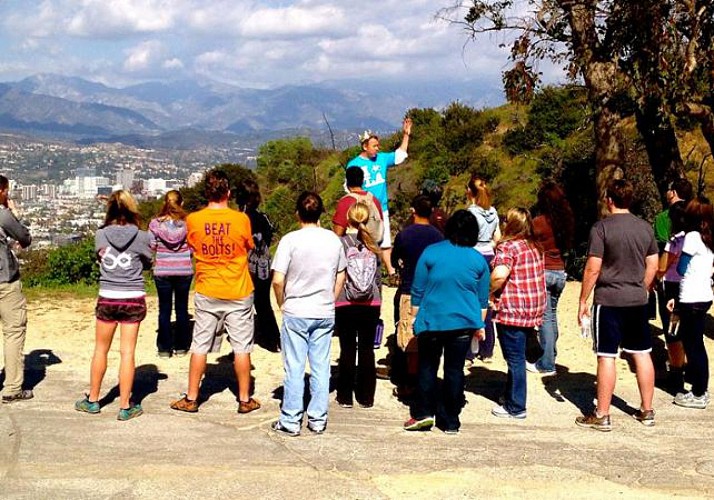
column 700, row 217
column 479, row 192
column 173, row 206
column 554, row 206
column 357, row 217
column 121, row 209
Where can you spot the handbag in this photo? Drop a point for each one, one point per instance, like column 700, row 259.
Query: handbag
column 534, row 350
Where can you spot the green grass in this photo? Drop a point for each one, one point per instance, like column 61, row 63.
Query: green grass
column 75, row 290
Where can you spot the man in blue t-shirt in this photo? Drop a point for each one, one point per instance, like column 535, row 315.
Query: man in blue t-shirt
column 374, row 164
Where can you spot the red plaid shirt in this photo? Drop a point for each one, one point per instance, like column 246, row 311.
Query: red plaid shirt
column 522, row 298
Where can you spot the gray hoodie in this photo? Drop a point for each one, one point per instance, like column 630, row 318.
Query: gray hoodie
column 487, row 224
column 124, row 253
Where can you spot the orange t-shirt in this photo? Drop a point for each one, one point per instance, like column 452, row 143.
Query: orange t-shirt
column 220, row 239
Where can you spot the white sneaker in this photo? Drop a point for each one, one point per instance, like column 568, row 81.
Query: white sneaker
column 531, row 367
column 500, row 412
column 689, row 400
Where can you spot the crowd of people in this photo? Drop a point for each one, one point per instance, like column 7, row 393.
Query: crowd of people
column 464, row 281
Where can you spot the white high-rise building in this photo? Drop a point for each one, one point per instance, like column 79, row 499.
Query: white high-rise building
column 194, row 178
column 125, row 178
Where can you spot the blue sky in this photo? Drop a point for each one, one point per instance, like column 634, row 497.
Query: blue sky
column 243, row 42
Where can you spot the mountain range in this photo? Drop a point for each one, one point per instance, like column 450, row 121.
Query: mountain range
column 188, row 111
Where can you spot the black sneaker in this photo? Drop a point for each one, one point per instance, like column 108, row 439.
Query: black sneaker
column 278, row 427
column 23, row 395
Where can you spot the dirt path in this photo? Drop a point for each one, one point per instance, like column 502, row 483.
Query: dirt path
column 49, row 450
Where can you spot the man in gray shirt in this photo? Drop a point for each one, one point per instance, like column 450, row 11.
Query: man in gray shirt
column 622, row 261
column 13, row 306
column 308, row 273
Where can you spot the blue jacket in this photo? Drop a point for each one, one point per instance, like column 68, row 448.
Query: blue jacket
column 450, row 288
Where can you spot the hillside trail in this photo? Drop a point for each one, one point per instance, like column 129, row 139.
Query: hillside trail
column 48, row 450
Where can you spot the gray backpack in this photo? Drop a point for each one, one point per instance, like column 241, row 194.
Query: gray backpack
column 375, row 224
column 362, row 268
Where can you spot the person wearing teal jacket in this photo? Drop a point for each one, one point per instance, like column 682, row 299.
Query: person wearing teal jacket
column 449, row 298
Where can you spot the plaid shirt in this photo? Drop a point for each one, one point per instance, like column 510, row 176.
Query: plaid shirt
column 522, row 298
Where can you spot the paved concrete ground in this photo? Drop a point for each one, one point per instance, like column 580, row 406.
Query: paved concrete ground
column 48, row 450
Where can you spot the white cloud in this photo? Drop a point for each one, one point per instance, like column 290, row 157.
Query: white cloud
column 292, row 22
column 120, row 17
column 143, row 56
column 265, row 42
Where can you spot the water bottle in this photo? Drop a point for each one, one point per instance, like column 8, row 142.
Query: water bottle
column 585, row 327
column 378, row 333
column 474, row 345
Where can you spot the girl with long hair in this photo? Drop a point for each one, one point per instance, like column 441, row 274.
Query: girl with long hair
column 173, row 273
column 695, row 299
column 553, row 230
column 518, row 292
column 357, row 315
column 124, row 253
column 489, row 232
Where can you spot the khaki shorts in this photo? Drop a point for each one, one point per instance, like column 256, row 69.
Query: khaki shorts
column 213, row 315
column 406, row 340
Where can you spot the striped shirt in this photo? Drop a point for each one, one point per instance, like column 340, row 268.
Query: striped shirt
column 172, row 255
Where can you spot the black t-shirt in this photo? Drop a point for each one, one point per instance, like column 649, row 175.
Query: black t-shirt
column 408, row 247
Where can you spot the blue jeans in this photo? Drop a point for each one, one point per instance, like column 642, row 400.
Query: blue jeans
column 548, row 334
column 173, row 290
column 305, row 339
column 444, row 404
column 513, row 346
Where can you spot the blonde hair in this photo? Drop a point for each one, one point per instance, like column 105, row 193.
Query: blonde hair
column 479, row 192
column 357, row 217
column 173, row 206
column 519, row 226
column 122, row 209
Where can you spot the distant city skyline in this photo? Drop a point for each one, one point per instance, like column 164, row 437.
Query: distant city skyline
column 256, row 44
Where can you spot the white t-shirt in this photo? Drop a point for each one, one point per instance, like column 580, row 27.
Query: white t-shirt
column 310, row 259
column 696, row 282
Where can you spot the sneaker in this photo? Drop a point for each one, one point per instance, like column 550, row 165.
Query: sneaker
column 366, row 405
column 531, row 367
column 594, row 422
column 315, row 430
column 185, row 404
column 164, row 354
column 133, row 411
column 486, row 359
column 180, row 353
column 278, row 427
column 248, row 406
column 689, row 400
column 451, row 432
column 23, row 395
column 345, row 404
column 645, row 417
column 422, row 424
column 500, row 412
column 87, row 406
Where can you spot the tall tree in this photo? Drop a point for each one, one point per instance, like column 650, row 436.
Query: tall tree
column 657, row 55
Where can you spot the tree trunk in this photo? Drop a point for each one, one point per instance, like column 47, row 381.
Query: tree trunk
column 660, row 142
column 602, row 79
